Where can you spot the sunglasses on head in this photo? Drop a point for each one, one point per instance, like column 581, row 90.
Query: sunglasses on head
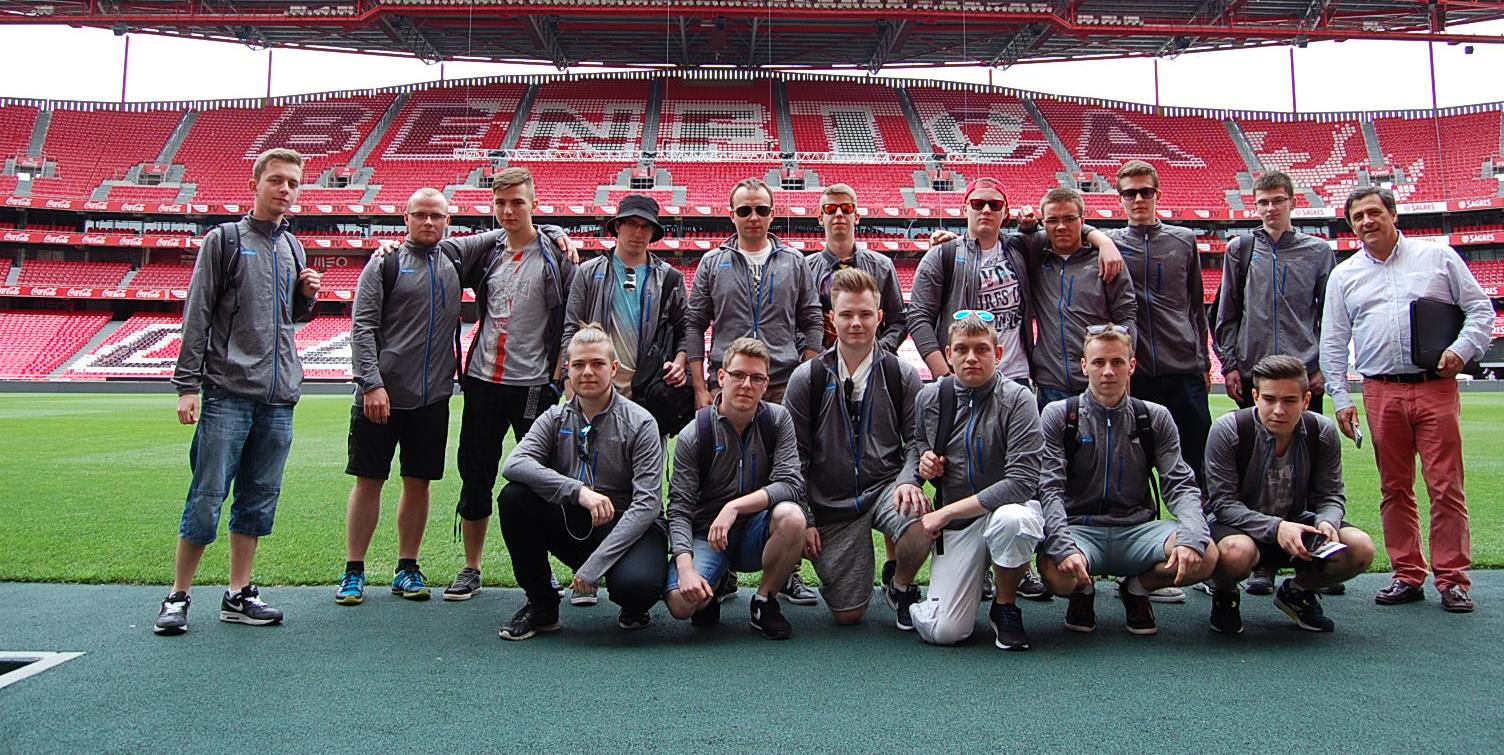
column 996, row 205
column 746, row 210
column 980, row 314
column 829, row 208
column 1096, row 330
column 1147, row 192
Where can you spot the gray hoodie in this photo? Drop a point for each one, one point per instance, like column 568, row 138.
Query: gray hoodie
column 738, row 468
column 842, row 482
column 822, row 266
column 590, row 301
column 929, row 317
column 1107, row 483
column 626, row 465
column 1069, row 296
column 784, row 312
column 244, row 341
column 1171, row 311
column 1279, row 311
column 405, row 343
column 993, row 451
column 1236, row 503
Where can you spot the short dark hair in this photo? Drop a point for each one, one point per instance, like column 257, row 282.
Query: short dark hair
column 1281, row 367
column 1363, row 192
column 1135, row 168
column 1274, row 180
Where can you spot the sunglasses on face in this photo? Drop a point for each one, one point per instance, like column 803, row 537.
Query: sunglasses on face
column 746, row 210
column 1147, row 192
column 996, row 205
column 846, row 207
column 1096, row 330
column 980, row 314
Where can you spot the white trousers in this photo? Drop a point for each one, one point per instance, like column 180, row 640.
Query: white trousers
column 1007, row 537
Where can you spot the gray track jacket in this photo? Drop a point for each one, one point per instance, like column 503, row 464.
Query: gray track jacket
column 784, row 312
column 1107, row 483
column 895, row 321
column 590, row 301
column 1279, row 311
column 405, row 343
column 847, row 468
column 1235, row 504
column 243, row 339
column 929, row 317
column 626, row 465
column 737, row 469
column 1069, row 296
column 1171, row 311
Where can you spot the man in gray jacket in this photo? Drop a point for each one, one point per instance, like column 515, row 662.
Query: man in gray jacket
column 736, row 499
column 407, row 308
column 1096, row 484
column 853, row 411
column 250, row 287
column 753, row 285
column 1274, row 474
column 585, row 485
column 839, row 218
column 1069, row 297
column 978, row 440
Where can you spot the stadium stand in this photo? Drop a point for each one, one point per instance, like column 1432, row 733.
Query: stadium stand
column 33, row 344
column 75, row 139
column 995, row 128
column 163, row 275
column 563, row 182
column 144, row 346
column 1324, row 157
column 848, row 119
column 592, row 116
column 1466, row 141
column 55, row 273
column 418, row 149
column 709, row 118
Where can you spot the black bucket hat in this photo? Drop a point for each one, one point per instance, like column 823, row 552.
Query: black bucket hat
column 637, row 206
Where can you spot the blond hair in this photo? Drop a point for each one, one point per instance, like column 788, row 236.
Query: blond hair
column 278, row 154
column 589, row 334
column 1135, row 168
column 748, row 346
column 838, row 190
column 510, row 177
column 970, row 325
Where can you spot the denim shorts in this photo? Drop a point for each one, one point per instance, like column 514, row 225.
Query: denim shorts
column 744, row 544
column 237, row 441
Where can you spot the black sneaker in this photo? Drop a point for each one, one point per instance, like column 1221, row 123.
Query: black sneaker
column 1303, row 606
column 627, row 620
column 1081, row 612
column 725, row 589
column 173, row 618
column 890, row 570
column 1261, row 583
column 989, row 590
column 246, row 607
column 1007, row 623
column 767, row 618
column 1338, row 589
column 901, row 603
column 799, row 593
column 708, row 616
column 1226, row 619
column 528, row 621
column 1033, row 588
column 1138, row 610
column 465, row 586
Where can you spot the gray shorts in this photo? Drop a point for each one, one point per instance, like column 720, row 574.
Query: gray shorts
column 847, row 562
column 1123, row 551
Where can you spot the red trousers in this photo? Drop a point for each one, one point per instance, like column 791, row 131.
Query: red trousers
column 1405, row 419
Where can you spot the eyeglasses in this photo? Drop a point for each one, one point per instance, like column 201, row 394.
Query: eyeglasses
column 746, row 210
column 1147, row 192
column 1270, row 202
column 829, row 208
column 630, row 283
column 423, row 217
column 996, row 205
column 1066, row 220
column 1096, row 330
column 980, row 314
column 747, row 377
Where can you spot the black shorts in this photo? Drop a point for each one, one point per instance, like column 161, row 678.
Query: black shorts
column 1271, row 556
column 423, row 434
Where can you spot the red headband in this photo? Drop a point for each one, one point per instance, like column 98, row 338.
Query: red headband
column 983, row 183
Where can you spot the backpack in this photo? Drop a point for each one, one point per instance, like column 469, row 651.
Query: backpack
column 705, row 431
column 892, row 377
column 1245, row 421
column 1239, row 276
column 389, row 271
column 1143, row 432
column 229, row 249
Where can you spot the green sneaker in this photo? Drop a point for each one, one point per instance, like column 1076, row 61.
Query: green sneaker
column 352, row 589
column 409, row 584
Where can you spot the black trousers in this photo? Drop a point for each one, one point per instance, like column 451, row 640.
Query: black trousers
column 1185, row 397
column 490, row 410
column 534, row 528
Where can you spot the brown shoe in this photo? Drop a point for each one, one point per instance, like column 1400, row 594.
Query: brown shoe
column 1455, row 599
column 1399, row 591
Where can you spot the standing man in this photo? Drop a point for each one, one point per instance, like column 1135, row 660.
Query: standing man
column 511, row 373
column 251, row 275
column 1097, row 485
column 407, row 308
column 1411, row 408
column 1271, row 294
column 853, row 411
column 586, row 485
column 736, row 499
column 1070, row 297
column 755, row 286
column 1174, row 367
column 839, row 218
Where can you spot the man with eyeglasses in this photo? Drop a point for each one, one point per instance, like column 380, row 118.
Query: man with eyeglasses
column 839, row 218
column 1174, row 364
column 1069, row 297
column 1097, row 480
column 755, row 286
column 736, row 498
column 853, row 410
column 407, row 308
column 585, row 485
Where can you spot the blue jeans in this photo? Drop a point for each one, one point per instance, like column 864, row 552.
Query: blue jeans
column 240, row 440
column 744, row 544
column 1051, row 395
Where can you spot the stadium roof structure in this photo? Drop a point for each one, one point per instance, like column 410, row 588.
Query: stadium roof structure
column 789, row 34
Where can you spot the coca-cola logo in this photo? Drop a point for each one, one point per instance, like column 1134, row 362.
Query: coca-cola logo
column 1479, row 238
column 57, row 238
column 10, row 290
column 18, row 237
column 81, row 292
column 93, row 205
column 1473, row 204
column 130, row 241
column 94, row 239
column 168, row 241
column 113, row 293
column 133, row 207
column 148, row 293
column 169, row 208
column 18, row 201
column 59, row 204
column 48, row 291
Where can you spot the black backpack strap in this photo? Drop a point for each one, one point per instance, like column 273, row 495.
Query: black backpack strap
column 705, row 441
column 893, row 379
column 229, row 251
column 1070, row 439
column 944, row 428
column 1313, row 445
column 1148, row 440
column 818, row 376
column 389, row 271
column 947, row 274
column 767, row 429
column 298, row 255
column 1244, row 420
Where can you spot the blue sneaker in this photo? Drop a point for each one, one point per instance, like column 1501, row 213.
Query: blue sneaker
column 409, row 584
column 352, row 589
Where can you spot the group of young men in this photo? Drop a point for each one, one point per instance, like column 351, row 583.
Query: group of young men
column 1068, row 406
